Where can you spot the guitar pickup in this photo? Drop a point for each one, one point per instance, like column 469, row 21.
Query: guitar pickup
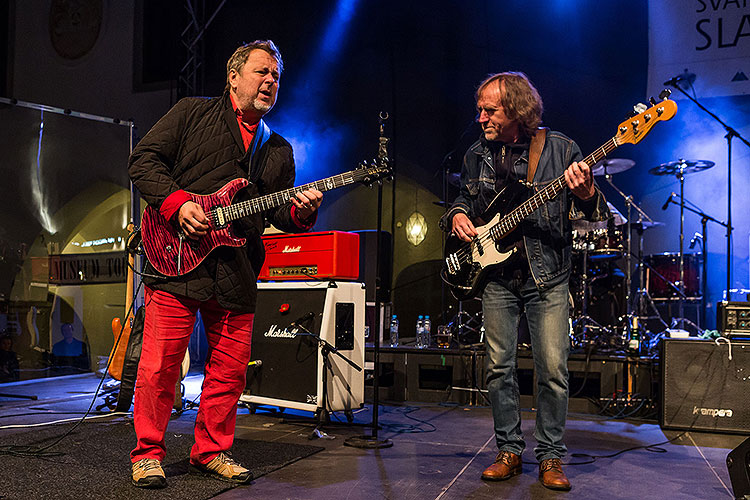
column 480, row 248
column 220, row 220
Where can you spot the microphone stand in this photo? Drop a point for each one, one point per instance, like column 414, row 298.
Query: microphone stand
column 731, row 133
column 372, row 441
column 704, row 249
column 325, row 349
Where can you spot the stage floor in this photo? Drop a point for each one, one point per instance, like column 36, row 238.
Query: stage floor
column 439, row 451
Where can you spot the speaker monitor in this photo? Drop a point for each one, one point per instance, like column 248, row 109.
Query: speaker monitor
column 291, row 363
column 368, row 256
column 702, row 388
column 738, row 465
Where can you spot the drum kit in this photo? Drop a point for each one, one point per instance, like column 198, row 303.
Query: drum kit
column 603, row 313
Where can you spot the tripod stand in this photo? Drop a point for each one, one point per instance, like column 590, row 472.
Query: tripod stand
column 323, row 415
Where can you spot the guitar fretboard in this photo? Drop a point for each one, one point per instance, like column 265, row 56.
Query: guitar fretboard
column 512, row 219
column 244, row 208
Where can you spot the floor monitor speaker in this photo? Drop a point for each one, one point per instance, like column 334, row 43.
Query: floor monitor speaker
column 704, row 385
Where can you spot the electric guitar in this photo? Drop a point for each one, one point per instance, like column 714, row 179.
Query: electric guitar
column 467, row 264
column 122, row 332
column 172, row 254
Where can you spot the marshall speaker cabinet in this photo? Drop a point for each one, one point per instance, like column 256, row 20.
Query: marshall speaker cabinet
column 702, row 388
column 287, row 364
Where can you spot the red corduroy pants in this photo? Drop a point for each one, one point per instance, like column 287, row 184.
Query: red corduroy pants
column 166, row 333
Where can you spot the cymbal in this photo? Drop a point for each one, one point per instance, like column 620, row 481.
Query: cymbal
column 584, row 226
column 645, row 224
column 684, row 166
column 611, row 166
column 454, row 178
column 617, row 215
column 440, row 203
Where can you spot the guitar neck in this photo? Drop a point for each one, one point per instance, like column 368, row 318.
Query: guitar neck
column 261, row 203
column 512, row 219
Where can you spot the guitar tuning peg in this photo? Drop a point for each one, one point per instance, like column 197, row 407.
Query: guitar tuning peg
column 664, row 94
column 639, row 108
column 652, row 101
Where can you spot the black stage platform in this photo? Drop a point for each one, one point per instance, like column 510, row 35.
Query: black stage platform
column 439, row 451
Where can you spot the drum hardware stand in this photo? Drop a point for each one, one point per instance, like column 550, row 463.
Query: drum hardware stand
column 630, row 204
column 586, row 322
column 731, row 133
column 459, row 327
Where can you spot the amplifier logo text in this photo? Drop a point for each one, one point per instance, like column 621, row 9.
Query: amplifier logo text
column 288, row 249
column 712, row 412
column 277, row 332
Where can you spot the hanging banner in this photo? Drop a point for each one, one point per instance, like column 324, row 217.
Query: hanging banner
column 706, row 42
column 80, row 269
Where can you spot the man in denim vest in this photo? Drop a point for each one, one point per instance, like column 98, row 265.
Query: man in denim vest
column 534, row 280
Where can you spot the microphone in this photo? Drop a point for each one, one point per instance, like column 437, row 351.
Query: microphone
column 669, row 200
column 696, row 237
column 682, row 77
column 256, row 362
column 303, row 318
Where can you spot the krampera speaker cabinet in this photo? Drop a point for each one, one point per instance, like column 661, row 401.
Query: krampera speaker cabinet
column 704, row 385
column 290, row 373
column 738, row 465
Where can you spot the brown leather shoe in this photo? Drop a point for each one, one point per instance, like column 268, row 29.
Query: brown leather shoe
column 552, row 476
column 506, row 465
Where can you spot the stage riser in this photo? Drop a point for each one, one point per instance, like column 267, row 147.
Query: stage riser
column 409, row 374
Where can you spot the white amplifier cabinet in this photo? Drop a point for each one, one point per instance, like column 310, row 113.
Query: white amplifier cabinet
column 291, row 363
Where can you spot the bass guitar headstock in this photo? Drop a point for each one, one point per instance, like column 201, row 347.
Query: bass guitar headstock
column 635, row 128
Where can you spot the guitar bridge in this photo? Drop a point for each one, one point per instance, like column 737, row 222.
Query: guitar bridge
column 452, row 264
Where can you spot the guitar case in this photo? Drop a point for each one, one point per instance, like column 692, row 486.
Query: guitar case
column 130, row 363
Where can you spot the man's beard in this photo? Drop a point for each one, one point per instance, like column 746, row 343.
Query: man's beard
column 261, row 106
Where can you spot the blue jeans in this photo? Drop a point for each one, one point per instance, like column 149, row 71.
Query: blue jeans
column 503, row 302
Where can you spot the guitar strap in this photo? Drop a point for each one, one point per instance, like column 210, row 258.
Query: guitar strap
column 535, row 152
column 130, row 364
column 262, row 134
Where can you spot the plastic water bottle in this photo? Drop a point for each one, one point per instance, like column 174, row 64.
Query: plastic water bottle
column 420, row 330
column 394, row 331
column 426, row 327
column 634, row 343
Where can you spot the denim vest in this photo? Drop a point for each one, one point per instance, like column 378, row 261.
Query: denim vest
column 547, row 232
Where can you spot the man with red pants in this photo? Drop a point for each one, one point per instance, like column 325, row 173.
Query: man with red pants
column 199, row 146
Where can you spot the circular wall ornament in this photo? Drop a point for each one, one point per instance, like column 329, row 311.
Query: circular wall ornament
column 74, row 26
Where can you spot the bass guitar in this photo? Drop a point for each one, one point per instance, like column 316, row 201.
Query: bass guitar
column 467, row 264
column 172, row 254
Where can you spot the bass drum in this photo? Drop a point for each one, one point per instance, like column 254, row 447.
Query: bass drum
column 606, row 292
column 668, row 266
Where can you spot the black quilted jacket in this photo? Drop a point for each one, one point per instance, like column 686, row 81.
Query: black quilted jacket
column 197, row 146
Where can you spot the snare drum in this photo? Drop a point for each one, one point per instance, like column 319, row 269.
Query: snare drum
column 668, row 265
column 601, row 244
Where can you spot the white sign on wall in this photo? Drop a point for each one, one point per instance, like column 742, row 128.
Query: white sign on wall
column 707, row 38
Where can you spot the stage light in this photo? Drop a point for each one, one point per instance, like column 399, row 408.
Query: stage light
column 304, row 120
